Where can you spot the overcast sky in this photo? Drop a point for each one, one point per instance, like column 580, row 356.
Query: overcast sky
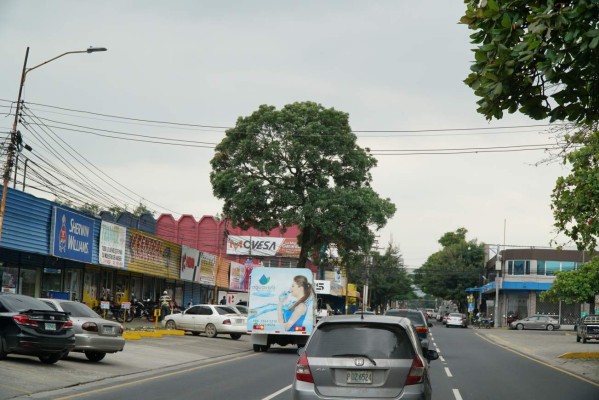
column 391, row 65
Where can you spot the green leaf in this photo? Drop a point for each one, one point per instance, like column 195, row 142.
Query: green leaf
column 592, row 33
column 594, row 42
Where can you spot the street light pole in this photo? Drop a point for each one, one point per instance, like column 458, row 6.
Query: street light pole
column 13, row 134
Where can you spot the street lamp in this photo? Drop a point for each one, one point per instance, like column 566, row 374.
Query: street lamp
column 13, row 134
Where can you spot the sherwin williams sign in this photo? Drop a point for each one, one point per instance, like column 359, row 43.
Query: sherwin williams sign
column 264, row 246
column 112, row 245
column 72, row 235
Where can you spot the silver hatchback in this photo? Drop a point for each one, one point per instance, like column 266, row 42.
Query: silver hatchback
column 363, row 357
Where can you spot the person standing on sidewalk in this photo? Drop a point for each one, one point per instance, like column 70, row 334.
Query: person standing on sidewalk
column 165, row 305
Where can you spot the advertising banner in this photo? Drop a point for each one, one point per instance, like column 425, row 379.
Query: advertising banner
column 190, row 264
column 113, row 239
column 151, row 255
column 322, row 287
column 281, row 300
column 71, row 235
column 207, row 269
column 237, row 278
column 263, row 246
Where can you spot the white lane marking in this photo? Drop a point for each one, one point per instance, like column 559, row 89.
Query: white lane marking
column 275, row 394
column 441, row 358
column 457, row 394
column 448, row 372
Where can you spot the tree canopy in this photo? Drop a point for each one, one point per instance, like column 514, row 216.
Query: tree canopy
column 537, row 57
column 300, row 165
column 449, row 272
column 580, row 285
column 541, row 58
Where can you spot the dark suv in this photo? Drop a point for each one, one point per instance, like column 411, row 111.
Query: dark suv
column 418, row 320
column 363, row 356
column 29, row 326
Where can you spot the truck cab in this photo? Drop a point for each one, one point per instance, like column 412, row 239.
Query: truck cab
column 588, row 328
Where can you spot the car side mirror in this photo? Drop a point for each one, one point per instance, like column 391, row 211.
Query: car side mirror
column 431, row 355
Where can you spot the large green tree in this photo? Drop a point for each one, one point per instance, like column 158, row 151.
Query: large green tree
column 387, row 278
column 300, row 165
column 541, row 58
column 580, row 285
column 449, row 272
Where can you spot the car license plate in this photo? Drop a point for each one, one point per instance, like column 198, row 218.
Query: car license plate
column 239, row 321
column 359, row 377
column 108, row 330
column 50, row 326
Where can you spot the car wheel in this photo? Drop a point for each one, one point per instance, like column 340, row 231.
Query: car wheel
column 257, row 348
column 195, row 333
column 235, row 336
column 584, row 339
column 50, row 358
column 170, row 324
column 2, row 352
column 577, row 338
column 549, row 327
column 65, row 355
column 519, row 327
column 211, row 330
column 95, row 356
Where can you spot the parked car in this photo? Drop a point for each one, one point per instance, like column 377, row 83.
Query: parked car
column 588, row 328
column 364, row 313
column 30, row 327
column 418, row 320
column 94, row 335
column 209, row 318
column 536, row 322
column 456, row 319
column 350, row 357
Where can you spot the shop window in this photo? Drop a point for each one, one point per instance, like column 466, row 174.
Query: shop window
column 51, row 281
column 9, row 279
column 72, row 283
column 550, row 268
column 569, row 266
column 28, row 280
column 91, row 282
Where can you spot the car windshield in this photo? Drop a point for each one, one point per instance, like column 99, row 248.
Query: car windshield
column 16, row 303
column 78, row 310
column 456, row 315
column 415, row 316
column 222, row 310
column 372, row 340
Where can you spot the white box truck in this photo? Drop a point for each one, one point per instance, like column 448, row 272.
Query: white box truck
column 281, row 307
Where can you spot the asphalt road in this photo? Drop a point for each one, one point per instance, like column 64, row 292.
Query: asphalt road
column 474, row 364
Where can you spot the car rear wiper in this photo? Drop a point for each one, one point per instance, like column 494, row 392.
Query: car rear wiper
column 356, row 355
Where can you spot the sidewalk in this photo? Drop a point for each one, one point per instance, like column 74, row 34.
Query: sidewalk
column 558, row 348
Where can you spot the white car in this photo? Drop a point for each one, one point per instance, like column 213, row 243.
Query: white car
column 209, row 318
column 456, row 319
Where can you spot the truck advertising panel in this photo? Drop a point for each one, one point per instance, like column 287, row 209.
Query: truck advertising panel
column 281, row 301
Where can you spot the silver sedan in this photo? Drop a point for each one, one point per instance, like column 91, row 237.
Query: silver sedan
column 94, row 336
column 536, row 322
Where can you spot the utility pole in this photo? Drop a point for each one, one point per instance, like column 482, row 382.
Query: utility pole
column 12, row 146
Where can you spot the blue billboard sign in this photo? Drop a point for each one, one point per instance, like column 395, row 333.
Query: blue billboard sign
column 72, row 235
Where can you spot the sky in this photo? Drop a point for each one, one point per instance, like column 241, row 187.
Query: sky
column 196, row 66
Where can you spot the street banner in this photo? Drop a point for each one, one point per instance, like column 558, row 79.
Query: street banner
column 207, row 269
column 237, row 277
column 263, row 246
column 190, row 263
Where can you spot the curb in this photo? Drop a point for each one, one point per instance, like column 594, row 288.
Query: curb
column 137, row 335
column 580, row 355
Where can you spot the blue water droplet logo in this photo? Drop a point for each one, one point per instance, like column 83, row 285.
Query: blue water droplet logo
column 264, row 280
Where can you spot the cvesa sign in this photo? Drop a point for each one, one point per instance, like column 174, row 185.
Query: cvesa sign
column 322, row 287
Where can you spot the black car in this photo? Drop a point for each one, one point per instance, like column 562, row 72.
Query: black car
column 418, row 319
column 30, row 327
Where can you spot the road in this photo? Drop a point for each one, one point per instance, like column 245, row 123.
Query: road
column 470, row 367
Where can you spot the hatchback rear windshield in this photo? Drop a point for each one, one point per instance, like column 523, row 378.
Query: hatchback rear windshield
column 373, row 340
column 415, row 316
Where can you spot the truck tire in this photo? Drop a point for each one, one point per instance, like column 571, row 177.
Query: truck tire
column 256, row 348
column 265, row 347
column 577, row 338
column 584, row 339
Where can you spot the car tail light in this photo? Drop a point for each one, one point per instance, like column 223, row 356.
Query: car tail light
column 68, row 325
column 259, row 327
column 302, row 370
column 417, row 370
column 90, row 327
column 22, row 319
column 421, row 329
column 121, row 330
column 227, row 322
